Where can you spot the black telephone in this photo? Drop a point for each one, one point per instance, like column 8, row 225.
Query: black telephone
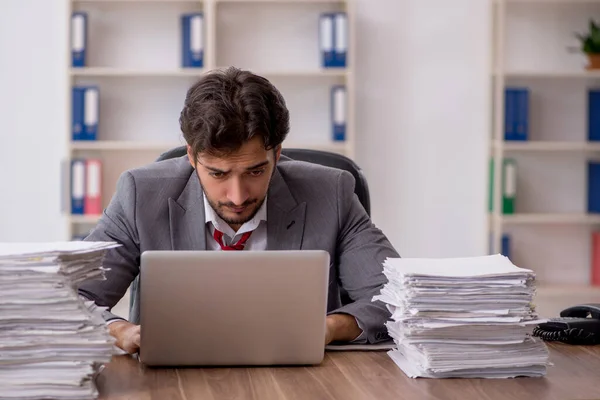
column 576, row 325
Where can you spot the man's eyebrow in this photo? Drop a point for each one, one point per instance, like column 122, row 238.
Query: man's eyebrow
column 213, row 169
column 260, row 164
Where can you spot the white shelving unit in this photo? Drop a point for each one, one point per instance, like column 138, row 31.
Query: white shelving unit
column 549, row 146
column 550, row 218
column 134, row 58
column 550, row 230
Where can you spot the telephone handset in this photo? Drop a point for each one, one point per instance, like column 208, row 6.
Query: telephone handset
column 576, row 325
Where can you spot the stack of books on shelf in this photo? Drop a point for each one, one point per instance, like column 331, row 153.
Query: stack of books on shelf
column 516, row 114
column 86, row 186
column 463, row 318
column 85, row 112
column 52, row 343
column 333, row 34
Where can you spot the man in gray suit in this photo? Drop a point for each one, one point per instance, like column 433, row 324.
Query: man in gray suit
column 234, row 191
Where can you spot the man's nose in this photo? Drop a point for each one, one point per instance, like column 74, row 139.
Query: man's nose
column 237, row 193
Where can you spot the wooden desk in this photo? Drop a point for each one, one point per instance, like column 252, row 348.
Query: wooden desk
column 348, row 376
column 363, row 375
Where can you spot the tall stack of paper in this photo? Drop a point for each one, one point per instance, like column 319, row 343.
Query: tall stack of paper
column 462, row 317
column 51, row 345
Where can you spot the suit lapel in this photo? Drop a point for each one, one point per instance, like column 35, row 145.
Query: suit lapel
column 186, row 217
column 285, row 217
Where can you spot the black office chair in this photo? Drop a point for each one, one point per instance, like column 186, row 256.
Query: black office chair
column 325, row 158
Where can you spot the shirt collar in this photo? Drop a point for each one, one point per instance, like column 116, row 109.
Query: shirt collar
column 211, row 216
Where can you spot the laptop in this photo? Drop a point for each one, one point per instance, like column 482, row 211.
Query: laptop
column 233, row 308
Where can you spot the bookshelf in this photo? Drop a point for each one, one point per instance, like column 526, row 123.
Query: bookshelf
column 550, row 229
column 133, row 57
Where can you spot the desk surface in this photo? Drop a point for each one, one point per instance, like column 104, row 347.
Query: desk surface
column 348, row 376
column 361, row 375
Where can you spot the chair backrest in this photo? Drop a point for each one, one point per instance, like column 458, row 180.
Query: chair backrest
column 324, row 158
column 173, row 153
column 335, row 160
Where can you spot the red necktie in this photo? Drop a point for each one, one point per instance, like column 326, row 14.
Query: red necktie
column 218, row 235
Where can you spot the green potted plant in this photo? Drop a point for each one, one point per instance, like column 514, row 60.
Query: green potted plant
column 590, row 45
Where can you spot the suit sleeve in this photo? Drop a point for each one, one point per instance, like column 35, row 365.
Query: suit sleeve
column 362, row 249
column 116, row 224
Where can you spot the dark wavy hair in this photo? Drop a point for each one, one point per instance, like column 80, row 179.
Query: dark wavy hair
column 227, row 108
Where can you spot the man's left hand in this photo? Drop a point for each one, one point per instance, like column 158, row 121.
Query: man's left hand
column 341, row 328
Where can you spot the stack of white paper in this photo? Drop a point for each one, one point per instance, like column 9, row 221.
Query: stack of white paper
column 51, row 344
column 463, row 317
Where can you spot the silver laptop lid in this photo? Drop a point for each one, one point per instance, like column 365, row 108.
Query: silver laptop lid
column 233, row 307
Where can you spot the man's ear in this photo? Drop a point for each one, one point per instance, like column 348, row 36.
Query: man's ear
column 191, row 156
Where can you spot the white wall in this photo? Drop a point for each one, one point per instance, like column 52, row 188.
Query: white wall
column 32, row 101
column 423, row 96
column 423, row 107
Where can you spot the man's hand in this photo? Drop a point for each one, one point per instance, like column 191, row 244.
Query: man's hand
column 341, row 327
column 127, row 335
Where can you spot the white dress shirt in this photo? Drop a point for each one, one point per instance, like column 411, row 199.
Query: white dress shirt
column 258, row 226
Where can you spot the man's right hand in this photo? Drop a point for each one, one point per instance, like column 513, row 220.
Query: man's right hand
column 127, row 335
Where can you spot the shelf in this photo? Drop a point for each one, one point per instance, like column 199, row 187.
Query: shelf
column 583, row 74
column 138, row 1
column 84, row 219
column 321, row 72
column 282, row 1
column 551, row 218
column 120, row 72
column 547, row 146
column 547, row 1
column 118, row 145
column 196, row 72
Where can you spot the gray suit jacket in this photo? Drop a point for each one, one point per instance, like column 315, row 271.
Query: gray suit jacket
column 160, row 207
